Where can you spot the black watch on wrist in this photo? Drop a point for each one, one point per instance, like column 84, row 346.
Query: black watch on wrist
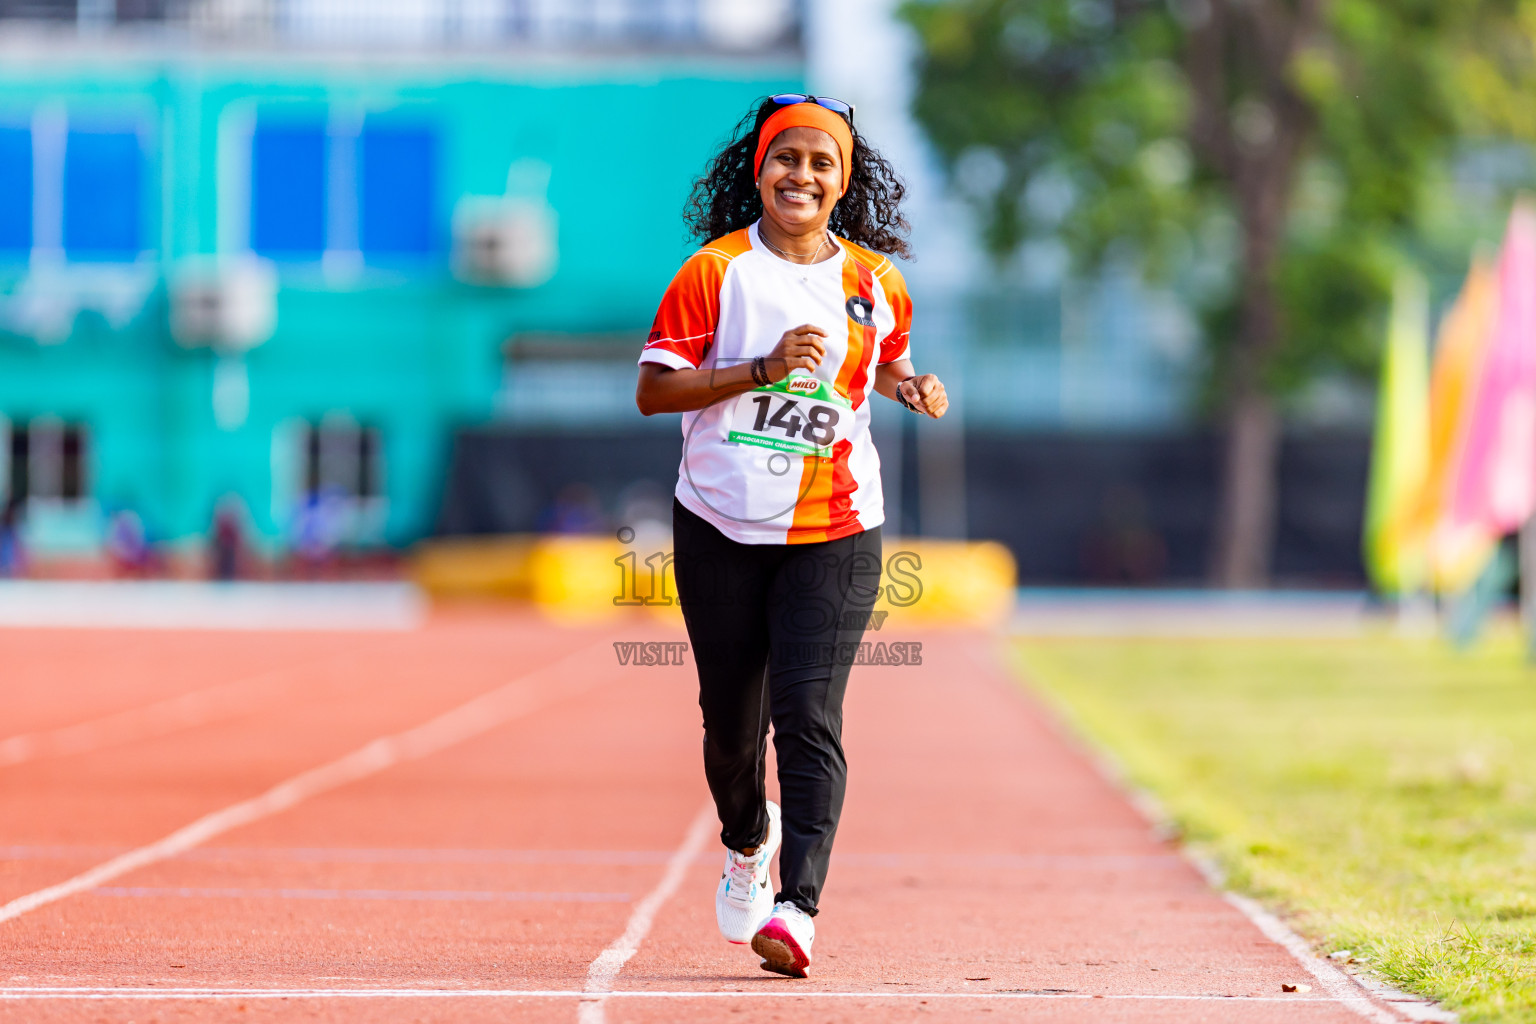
column 903, row 398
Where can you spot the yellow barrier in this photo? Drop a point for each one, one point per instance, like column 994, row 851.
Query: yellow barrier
column 947, row 582
column 577, row 578
column 475, row 567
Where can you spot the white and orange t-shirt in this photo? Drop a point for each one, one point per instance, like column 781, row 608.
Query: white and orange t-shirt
column 793, row 463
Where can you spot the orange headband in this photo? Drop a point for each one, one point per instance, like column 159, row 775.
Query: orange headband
column 806, row 115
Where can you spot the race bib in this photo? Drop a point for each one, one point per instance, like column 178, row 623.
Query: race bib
column 800, row 415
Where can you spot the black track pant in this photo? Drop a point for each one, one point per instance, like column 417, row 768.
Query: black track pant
column 774, row 629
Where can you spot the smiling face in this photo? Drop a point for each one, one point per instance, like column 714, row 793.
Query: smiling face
column 801, row 179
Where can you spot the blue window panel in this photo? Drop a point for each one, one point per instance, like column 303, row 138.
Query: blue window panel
column 15, row 190
column 288, row 170
column 397, row 190
column 103, row 195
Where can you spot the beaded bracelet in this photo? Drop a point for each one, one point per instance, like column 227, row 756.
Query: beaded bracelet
column 760, row 372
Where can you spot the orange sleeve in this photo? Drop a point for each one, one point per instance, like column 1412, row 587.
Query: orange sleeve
column 684, row 328
column 895, row 344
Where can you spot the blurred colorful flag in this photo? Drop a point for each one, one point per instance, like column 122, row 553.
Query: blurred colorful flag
column 1396, row 557
column 1456, row 554
column 1494, row 490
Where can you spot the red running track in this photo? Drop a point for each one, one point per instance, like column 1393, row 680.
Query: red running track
column 475, row 865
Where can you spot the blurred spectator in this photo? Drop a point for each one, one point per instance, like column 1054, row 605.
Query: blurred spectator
column 128, row 548
column 12, row 557
column 1123, row 548
column 227, row 544
column 646, row 506
column 574, row 510
column 318, row 527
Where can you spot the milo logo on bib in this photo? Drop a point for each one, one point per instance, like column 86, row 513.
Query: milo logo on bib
column 800, row 415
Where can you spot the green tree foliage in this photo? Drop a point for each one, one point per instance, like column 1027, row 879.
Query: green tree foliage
column 1270, row 155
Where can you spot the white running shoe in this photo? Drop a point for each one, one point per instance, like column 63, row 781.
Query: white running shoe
column 784, row 940
column 745, row 894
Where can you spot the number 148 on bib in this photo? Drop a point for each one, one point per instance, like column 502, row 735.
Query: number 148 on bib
column 799, row 415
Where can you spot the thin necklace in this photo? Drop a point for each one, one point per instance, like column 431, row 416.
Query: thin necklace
column 801, row 255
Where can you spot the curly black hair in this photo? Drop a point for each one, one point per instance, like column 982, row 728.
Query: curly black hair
column 726, row 199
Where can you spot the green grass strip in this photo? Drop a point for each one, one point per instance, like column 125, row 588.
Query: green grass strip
column 1379, row 792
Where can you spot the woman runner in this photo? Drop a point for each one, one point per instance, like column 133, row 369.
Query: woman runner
column 770, row 339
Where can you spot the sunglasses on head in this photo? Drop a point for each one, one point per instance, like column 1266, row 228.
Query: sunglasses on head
column 837, row 106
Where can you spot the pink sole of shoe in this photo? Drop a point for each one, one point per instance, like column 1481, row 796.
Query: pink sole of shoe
column 780, row 952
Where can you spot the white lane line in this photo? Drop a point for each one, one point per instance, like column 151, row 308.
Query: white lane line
column 1335, row 982
column 364, row 855
column 468, row 720
column 510, row 993
column 1341, row 987
column 403, row 895
column 357, row 855
column 603, row 971
column 184, row 711
column 1393, row 1008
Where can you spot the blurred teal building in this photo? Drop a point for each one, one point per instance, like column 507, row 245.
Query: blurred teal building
column 287, row 256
